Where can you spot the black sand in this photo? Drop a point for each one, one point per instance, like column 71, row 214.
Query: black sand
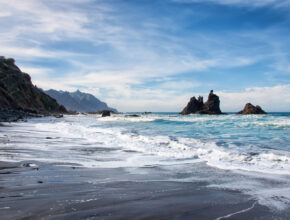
column 56, row 191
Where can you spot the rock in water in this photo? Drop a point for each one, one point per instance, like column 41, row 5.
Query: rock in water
column 106, row 113
column 251, row 109
column 196, row 106
column 212, row 105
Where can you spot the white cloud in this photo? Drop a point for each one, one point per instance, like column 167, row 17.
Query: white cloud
column 130, row 56
column 35, row 71
column 271, row 99
column 26, row 52
column 37, row 16
column 275, row 98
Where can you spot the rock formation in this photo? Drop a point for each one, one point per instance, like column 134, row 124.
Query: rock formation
column 106, row 113
column 251, row 109
column 18, row 94
column 196, row 106
column 102, row 112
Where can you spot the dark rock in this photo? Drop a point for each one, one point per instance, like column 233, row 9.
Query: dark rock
column 26, row 165
column 212, row 105
column 106, row 113
column 132, row 115
column 19, row 97
column 251, row 109
column 196, row 106
column 57, row 115
column 100, row 112
column 146, row 113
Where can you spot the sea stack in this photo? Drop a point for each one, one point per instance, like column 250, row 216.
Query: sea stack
column 196, row 106
column 251, row 109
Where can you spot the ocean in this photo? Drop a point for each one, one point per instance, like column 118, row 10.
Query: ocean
column 167, row 165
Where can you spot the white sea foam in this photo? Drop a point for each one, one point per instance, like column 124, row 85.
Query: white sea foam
column 236, row 213
column 243, row 121
column 274, row 123
column 276, row 162
column 129, row 119
column 88, row 141
column 273, row 191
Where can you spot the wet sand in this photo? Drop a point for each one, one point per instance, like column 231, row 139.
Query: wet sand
column 65, row 191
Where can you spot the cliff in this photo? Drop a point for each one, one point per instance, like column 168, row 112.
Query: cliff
column 17, row 93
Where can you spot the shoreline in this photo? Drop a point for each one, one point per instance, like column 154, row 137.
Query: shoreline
column 86, row 168
column 50, row 191
column 12, row 115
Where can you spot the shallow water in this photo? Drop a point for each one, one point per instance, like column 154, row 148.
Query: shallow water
column 248, row 154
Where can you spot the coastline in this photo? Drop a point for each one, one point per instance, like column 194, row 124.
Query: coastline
column 12, row 115
column 66, row 192
column 89, row 167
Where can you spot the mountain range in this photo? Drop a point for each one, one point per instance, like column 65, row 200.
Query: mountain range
column 79, row 101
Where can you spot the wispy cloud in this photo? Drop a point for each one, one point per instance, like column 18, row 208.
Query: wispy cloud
column 126, row 52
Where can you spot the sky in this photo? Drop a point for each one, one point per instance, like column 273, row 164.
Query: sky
column 153, row 55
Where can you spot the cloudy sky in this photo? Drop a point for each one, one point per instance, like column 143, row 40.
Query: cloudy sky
column 154, row 55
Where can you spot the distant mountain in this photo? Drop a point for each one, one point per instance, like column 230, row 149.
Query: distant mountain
column 78, row 101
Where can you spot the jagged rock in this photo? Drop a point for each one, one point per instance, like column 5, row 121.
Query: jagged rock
column 146, row 113
column 212, row 105
column 100, row 112
column 106, row 113
column 132, row 115
column 18, row 96
column 196, row 106
column 251, row 109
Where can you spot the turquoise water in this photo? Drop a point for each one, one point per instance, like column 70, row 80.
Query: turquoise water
column 248, row 153
column 256, row 142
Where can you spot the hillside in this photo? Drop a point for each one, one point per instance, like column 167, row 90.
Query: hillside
column 17, row 93
column 79, row 101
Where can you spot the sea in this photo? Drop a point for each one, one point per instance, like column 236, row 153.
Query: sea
column 245, row 154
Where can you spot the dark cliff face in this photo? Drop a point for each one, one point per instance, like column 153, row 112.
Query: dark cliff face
column 251, row 109
column 18, row 93
column 79, row 101
column 196, row 106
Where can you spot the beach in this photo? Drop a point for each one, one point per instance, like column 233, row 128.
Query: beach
column 159, row 166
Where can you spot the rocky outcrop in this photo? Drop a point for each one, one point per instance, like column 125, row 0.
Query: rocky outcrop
column 106, row 113
column 101, row 112
column 17, row 93
column 133, row 115
column 251, row 109
column 196, row 106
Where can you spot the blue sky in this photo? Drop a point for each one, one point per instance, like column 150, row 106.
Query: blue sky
column 154, row 55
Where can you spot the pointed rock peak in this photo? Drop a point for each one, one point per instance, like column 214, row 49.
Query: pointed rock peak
column 200, row 99
column 212, row 95
column 196, row 106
